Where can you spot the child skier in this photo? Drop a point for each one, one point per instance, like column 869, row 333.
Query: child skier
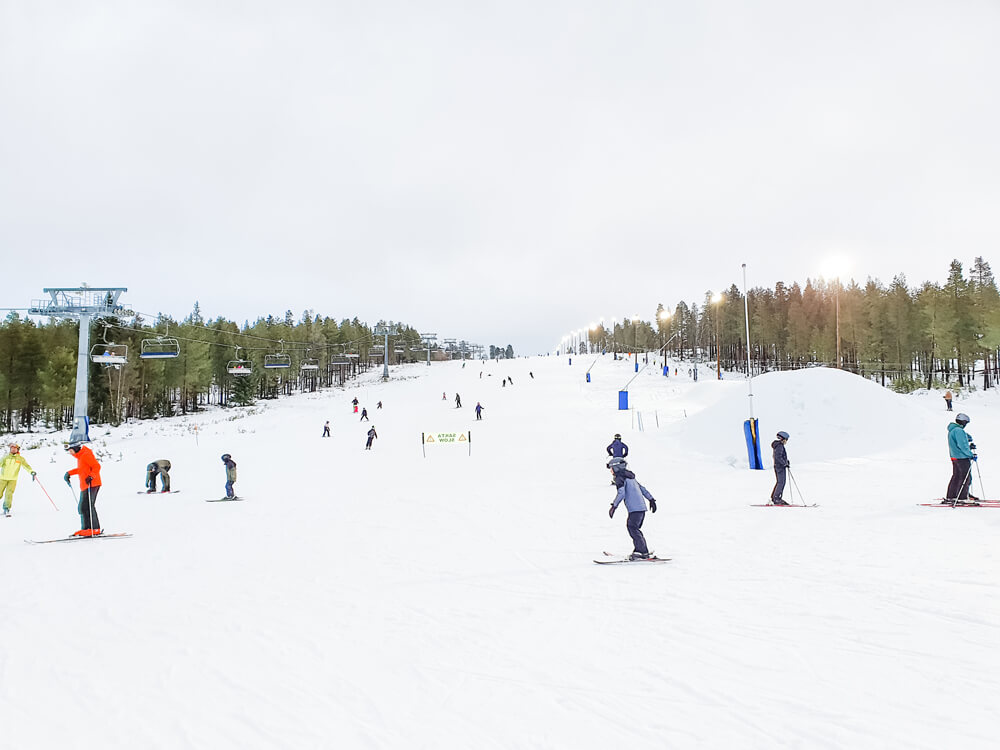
column 364, row 415
column 230, row 475
column 89, row 471
column 10, row 465
column 632, row 493
column 780, row 466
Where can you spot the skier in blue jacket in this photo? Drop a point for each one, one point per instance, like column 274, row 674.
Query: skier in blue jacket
column 632, row 493
column 960, row 448
column 617, row 449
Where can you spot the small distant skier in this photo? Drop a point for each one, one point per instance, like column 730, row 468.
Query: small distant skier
column 531, row 374
column 780, row 467
column 355, row 402
column 458, row 401
column 89, row 472
column 371, row 437
column 326, row 429
column 503, row 383
column 10, row 465
column 159, row 469
column 378, row 405
column 947, row 400
column 479, row 410
column 961, row 449
column 617, row 449
column 444, row 396
column 632, row 493
column 230, row 475
column 364, row 415
column 510, row 380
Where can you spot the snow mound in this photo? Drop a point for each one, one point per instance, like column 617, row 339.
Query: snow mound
column 825, row 411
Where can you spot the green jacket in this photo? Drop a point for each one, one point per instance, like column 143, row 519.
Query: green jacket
column 11, row 464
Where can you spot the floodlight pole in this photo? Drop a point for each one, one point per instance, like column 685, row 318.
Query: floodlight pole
column 746, row 316
column 83, row 303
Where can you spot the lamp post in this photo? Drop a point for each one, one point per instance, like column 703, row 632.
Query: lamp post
column 716, row 299
column 836, row 267
column 836, row 296
column 635, row 329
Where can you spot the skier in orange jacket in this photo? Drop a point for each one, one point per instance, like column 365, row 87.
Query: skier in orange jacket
column 89, row 471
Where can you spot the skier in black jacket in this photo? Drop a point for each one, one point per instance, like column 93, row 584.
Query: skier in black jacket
column 617, row 449
column 780, row 466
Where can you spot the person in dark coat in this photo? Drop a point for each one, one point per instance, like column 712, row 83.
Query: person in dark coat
column 364, row 415
column 326, row 429
column 458, row 401
column 159, row 469
column 230, row 474
column 479, row 410
column 780, row 466
column 632, row 493
column 371, row 436
column 617, row 449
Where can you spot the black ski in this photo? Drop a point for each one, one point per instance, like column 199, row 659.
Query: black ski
column 157, row 492
column 225, row 499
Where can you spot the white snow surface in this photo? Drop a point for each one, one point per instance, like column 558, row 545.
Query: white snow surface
column 386, row 600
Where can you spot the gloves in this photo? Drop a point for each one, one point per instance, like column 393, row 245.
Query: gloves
column 972, row 446
column 611, row 512
column 33, row 475
column 88, row 480
column 66, row 478
column 975, row 457
column 652, row 505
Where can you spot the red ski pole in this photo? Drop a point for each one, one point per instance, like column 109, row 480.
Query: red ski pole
column 39, row 481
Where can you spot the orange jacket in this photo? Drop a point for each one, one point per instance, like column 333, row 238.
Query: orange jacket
column 86, row 466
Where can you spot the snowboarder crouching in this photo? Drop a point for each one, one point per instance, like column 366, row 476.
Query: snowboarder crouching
column 159, row 468
column 230, row 474
column 780, row 466
column 632, row 493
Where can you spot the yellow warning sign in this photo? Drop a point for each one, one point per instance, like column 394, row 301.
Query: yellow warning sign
column 446, row 437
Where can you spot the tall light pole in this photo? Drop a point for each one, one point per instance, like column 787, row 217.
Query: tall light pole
column 664, row 317
column 836, row 295
column 716, row 299
column 635, row 328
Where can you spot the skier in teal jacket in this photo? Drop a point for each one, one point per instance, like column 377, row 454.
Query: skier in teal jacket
column 960, row 448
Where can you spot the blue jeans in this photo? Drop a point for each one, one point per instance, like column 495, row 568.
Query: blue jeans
column 634, row 526
column 229, row 490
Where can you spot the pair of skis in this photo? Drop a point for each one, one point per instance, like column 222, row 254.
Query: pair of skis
column 942, row 503
column 610, row 558
column 786, row 505
column 78, row 538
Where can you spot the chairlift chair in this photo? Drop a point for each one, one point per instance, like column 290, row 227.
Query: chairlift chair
column 276, row 361
column 109, row 354
column 309, row 364
column 160, row 348
column 239, row 367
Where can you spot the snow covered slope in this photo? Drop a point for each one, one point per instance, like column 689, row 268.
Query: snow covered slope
column 380, row 599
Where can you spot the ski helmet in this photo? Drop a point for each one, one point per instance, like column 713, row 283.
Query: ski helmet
column 75, row 446
column 783, row 435
column 226, row 457
column 618, row 436
column 617, row 463
column 962, row 419
column 15, row 445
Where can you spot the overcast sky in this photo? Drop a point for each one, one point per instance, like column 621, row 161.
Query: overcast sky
column 500, row 171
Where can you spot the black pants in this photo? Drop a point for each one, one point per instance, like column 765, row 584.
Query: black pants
column 88, row 508
column 634, row 526
column 779, row 483
column 961, row 478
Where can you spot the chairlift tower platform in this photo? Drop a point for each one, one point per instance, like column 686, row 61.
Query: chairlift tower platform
column 84, row 303
column 385, row 330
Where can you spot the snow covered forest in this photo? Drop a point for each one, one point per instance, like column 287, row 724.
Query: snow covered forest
column 901, row 336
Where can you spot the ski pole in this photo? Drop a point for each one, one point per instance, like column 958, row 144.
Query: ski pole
column 39, row 481
column 802, row 500
column 958, row 491
column 980, row 473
